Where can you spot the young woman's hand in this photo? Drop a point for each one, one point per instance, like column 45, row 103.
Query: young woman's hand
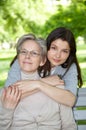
column 53, row 80
column 27, row 87
column 10, row 97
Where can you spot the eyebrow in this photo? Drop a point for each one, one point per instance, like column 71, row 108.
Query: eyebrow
column 62, row 48
column 31, row 50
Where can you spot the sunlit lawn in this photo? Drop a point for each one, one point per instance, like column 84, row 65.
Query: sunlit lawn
column 5, row 59
column 7, row 55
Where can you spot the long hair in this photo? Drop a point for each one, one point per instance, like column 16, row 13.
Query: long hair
column 66, row 35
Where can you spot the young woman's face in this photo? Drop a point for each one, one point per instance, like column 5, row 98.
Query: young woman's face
column 58, row 53
column 30, row 56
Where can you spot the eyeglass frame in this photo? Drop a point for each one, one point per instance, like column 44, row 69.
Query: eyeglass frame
column 32, row 53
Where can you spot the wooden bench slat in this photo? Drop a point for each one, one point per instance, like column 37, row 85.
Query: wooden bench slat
column 79, row 113
column 82, row 92
column 81, row 127
column 81, row 101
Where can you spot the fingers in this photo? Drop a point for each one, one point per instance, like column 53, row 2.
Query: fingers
column 12, row 91
column 17, row 83
column 11, row 97
column 17, row 93
column 61, row 82
column 6, row 94
column 3, row 94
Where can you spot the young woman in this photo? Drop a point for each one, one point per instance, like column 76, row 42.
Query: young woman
column 37, row 111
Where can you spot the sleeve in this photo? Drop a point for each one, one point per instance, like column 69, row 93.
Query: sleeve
column 6, row 116
column 13, row 74
column 67, row 118
column 71, row 80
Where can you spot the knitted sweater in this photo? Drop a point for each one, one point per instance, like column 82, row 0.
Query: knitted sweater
column 37, row 112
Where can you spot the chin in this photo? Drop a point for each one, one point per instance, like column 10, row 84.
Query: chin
column 56, row 65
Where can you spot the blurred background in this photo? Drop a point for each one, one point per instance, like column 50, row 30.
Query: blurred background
column 18, row 17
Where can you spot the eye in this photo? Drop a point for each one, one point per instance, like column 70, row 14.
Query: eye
column 23, row 52
column 53, row 48
column 66, row 51
column 34, row 53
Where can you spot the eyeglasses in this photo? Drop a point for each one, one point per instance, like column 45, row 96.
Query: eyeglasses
column 32, row 53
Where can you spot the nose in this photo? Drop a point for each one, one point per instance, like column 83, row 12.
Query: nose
column 58, row 54
column 28, row 55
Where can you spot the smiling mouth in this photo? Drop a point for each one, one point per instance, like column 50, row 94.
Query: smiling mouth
column 55, row 60
column 27, row 62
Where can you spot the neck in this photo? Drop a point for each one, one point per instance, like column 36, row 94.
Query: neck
column 29, row 76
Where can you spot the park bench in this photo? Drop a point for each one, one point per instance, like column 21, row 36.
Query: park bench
column 80, row 109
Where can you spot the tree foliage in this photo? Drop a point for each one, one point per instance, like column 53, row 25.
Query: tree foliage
column 18, row 17
column 72, row 16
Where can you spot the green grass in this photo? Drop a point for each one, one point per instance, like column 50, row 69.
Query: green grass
column 5, row 58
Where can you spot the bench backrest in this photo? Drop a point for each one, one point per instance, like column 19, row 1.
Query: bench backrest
column 80, row 113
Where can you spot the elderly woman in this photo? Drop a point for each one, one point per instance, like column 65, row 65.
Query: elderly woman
column 37, row 111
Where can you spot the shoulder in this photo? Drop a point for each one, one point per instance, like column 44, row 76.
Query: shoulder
column 73, row 69
column 15, row 65
column 73, row 66
column 61, row 70
column 15, row 68
column 13, row 74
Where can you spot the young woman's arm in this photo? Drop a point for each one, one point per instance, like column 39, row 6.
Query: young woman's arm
column 66, row 96
column 69, row 97
column 53, row 91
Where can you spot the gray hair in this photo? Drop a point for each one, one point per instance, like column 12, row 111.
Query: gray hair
column 22, row 39
column 40, row 41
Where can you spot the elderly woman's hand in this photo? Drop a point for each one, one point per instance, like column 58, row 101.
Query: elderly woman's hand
column 10, row 97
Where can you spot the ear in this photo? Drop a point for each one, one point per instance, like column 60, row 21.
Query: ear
column 43, row 61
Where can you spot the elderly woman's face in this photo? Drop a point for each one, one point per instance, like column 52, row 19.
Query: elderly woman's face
column 59, row 52
column 30, row 56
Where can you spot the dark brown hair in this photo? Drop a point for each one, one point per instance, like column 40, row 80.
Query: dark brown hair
column 66, row 35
